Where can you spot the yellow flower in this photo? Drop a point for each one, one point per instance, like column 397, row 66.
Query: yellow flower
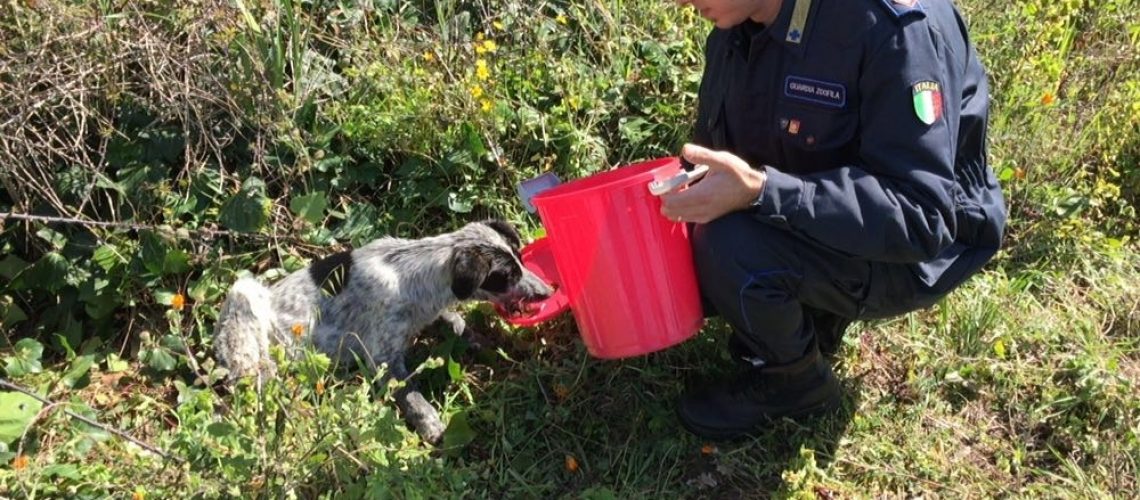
column 497, row 25
column 1048, row 98
column 177, row 302
column 486, row 105
column 428, row 56
column 561, row 19
column 298, row 330
column 481, row 70
column 320, row 387
column 476, row 91
column 479, row 36
column 486, row 46
column 138, row 495
column 571, row 463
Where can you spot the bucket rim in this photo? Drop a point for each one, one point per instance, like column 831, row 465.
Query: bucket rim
column 616, row 178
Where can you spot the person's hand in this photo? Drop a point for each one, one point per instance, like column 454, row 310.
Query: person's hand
column 729, row 185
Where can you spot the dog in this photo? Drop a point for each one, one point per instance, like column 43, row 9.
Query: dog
column 370, row 303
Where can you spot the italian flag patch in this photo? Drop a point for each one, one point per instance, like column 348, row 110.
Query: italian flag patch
column 928, row 101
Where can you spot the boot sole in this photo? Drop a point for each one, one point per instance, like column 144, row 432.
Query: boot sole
column 719, row 434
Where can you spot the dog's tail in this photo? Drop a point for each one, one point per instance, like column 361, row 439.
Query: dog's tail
column 243, row 330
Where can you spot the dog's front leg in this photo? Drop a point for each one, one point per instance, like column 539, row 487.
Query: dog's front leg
column 416, row 409
column 459, row 325
column 455, row 321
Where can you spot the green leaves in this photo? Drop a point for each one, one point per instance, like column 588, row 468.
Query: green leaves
column 78, row 371
column 50, row 272
column 11, row 266
column 247, row 210
column 635, row 130
column 158, row 359
column 310, row 207
column 10, row 313
column 459, row 433
column 108, row 257
column 460, row 203
column 161, row 256
column 115, row 364
column 250, row 21
column 17, row 410
column 25, row 359
column 221, row 429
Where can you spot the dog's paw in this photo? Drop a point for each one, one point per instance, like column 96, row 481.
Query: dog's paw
column 477, row 341
column 421, row 415
column 453, row 321
column 431, row 431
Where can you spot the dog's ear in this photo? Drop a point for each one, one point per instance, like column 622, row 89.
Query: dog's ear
column 469, row 267
column 507, row 230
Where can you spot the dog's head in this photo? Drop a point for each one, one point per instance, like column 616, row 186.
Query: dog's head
column 486, row 265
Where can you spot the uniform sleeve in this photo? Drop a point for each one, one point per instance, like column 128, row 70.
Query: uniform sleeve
column 897, row 203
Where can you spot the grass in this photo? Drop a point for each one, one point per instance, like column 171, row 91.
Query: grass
column 1023, row 383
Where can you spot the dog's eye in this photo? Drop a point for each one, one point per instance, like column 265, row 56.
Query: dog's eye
column 497, row 282
column 503, row 275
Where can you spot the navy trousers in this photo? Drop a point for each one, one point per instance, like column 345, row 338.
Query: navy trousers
column 758, row 277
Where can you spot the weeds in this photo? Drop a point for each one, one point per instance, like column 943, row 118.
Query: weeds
column 154, row 150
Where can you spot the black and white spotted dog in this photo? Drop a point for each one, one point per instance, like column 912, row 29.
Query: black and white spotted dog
column 371, row 302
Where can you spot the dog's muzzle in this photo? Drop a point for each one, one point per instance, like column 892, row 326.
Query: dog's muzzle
column 529, row 289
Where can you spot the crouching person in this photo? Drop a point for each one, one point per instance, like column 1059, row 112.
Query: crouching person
column 847, row 180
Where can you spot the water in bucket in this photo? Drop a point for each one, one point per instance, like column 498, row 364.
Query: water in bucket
column 626, row 269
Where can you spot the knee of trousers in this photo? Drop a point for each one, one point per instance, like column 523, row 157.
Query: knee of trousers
column 739, row 258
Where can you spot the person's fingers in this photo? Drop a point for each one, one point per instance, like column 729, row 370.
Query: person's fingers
column 696, row 154
column 683, row 199
column 699, row 155
column 688, row 203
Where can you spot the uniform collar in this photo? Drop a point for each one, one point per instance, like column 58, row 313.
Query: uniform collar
column 790, row 28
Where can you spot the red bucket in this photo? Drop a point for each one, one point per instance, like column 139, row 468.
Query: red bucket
column 626, row 270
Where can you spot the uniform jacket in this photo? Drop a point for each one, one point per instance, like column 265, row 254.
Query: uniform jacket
column 869, row 117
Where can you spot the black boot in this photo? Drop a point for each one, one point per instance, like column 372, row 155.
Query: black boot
column 803, row 388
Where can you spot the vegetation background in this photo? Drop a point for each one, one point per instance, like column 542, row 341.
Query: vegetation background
column 168, row 146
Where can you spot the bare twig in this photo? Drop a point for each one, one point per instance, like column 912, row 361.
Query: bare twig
column 205, row 233
column 149, row 447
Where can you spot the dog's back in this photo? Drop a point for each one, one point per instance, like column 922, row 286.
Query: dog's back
column 362, row 304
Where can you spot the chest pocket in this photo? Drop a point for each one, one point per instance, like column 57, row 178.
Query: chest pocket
column 816, row 138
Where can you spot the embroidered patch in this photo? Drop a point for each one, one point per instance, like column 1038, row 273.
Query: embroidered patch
column 928, row 101
column 806, row 89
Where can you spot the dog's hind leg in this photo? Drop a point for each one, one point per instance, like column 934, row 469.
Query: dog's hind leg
column 242, row 332
column 423, row 417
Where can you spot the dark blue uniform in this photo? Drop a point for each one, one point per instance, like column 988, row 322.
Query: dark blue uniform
column 869, row 117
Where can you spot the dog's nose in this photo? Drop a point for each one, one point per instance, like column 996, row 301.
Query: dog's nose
column 544, row 292
column 537, row 289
